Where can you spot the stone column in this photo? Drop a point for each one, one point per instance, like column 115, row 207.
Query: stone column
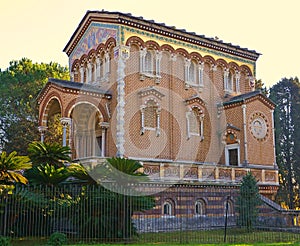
column 245, row 135
column 72, row 76
column 200, row 75
column 81, row 69
column 226, row 75
column 42, row 130
column 121, row 54
column 158, row 122
column 157, row 66
column 98, row 62
column 65, row 123
column 89, row 72
column 237, row 81
column 103, row 126
column 187, row 63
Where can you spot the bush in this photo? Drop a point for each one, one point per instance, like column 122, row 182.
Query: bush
column 5, row 241
column 57, row 239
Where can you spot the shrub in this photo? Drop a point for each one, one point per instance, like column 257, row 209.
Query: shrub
column 5, row 241
column 57, row 239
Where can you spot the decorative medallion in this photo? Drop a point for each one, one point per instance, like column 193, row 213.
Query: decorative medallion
column 259, row 126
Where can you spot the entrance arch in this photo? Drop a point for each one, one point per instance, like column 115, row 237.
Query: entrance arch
column 88, row 130
column 50, row 121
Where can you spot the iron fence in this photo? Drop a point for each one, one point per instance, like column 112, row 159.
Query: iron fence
column 181, row 213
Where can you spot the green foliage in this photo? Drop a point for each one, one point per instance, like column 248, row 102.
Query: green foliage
column 286, row 95
column 123, row 171
column 47, row 175
column 28, row 203
column 52, row 154
column 108, row 215
column 108, row 211
column 248, row 202
column 11, row 166
column 260, row 86
column 5, row 241
column 19, row 87
column 54, row 131
column 78, row 171
column 57, row 239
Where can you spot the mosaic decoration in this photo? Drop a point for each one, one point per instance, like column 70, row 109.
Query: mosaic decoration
column 96, row 34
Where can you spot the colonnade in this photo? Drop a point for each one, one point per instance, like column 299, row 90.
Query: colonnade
column 84, row 143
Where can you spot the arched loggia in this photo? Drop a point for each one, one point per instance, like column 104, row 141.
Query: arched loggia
column 88, row 130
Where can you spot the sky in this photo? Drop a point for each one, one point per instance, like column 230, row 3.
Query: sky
column 40, row 29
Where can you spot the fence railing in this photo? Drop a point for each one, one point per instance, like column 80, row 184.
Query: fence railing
column 178, row 213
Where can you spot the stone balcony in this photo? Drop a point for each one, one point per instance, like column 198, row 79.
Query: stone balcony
column 208, row 173
column 168, row 171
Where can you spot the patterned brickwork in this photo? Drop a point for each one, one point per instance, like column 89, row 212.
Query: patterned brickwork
column 164, row 132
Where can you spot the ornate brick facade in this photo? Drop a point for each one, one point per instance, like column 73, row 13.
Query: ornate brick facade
column 183, row 104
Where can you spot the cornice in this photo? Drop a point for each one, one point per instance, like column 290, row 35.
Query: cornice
column 156, row 28
column 67, row 90
column 259, row 97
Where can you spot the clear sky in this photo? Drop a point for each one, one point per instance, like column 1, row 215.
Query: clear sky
column 40, row 29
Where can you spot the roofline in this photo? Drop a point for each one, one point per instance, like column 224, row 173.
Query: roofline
column 159, row 28
column 63, row 84
column 244, row 97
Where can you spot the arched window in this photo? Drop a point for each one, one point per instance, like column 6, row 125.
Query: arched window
column 168, row 208
column 149, row 62
column 192, row 72
column 194, row 121
column 150, row 117
column 200, row 208
column 228, row 207
column 150, row 114
column 195, row 118
column 230, row 81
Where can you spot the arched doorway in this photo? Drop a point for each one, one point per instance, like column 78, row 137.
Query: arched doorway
column 88, row 130
column 50, row 127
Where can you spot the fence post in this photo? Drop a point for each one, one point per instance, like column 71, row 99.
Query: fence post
column 226, row 215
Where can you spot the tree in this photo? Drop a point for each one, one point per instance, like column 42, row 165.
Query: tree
column 108, row 213
column 248, row 202
column 53, row 154
column 11, row 166
column 48, row 175
column 20, row 84
column 287, row 134
column 260, row 86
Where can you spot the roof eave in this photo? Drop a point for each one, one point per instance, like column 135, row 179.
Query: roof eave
column 193, row 37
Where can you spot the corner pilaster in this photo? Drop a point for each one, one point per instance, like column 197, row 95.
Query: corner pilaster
column 121, row 54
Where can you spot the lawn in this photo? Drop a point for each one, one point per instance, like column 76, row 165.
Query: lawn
column 212, row 237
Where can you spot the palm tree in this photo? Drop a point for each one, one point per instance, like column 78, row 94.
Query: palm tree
column 76, row 170
column 48, row 175
column 52, row 154
column 112, row 204
column 122, row 171
column 11, row 167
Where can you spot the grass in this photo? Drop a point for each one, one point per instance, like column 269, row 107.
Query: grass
column 210, row 237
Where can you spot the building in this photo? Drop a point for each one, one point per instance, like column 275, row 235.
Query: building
column 183, row 104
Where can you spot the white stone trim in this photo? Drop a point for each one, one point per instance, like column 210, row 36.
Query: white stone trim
column 230, row 147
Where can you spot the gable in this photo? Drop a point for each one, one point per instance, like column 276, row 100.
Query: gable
column 95, row 34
